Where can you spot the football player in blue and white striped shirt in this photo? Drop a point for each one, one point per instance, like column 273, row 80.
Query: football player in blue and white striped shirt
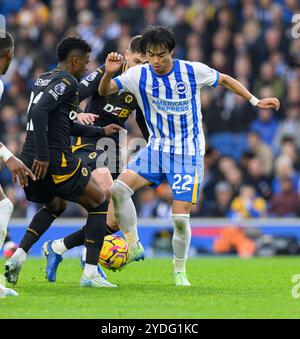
column 168, row 92
column 17, row 168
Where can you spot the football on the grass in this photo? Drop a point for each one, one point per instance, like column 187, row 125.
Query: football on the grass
column 114, row 253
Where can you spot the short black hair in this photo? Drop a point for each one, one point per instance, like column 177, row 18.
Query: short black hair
column 158, row 36
column 70, row 44
column 6, row 41
column 135, row 44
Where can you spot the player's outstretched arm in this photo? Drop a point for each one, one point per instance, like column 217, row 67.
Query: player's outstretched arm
column 237, row 88
column 112, row 64
column 79, row 130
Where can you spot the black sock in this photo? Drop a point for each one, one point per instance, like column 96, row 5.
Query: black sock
column 38, row 226
column 94, row 233
column 77, row 238
column 110, row 231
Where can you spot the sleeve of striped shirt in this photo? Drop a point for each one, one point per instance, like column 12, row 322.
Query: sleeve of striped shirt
column 126, row 80
column 206, row 76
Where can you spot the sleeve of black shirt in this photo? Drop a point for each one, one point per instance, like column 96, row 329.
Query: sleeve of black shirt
column 54, row 94
column 79, row 130
column 140, row 119
column 89, row 85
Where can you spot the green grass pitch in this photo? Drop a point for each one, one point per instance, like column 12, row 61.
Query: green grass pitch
column 221, row 288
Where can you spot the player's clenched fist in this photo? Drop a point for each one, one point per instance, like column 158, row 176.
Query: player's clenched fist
column 269, row 103
column 113, row 62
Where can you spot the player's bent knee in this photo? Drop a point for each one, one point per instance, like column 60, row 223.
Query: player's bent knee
column 56, row 207
column 10, row 207
column 92, row 196
column 112, row 223
column 181, row 222
column 104, row 180
column 182, row 207
column 120, row 190
column 115, row 228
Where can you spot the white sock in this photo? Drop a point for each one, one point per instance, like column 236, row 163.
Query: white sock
column 20, row 254
column 84, row 253
column 58, row 246
column 6, row 209
column 125, row 211
column 181, row 240
column 90, row 271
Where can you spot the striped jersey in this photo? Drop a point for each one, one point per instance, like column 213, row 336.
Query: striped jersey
column 171, row 103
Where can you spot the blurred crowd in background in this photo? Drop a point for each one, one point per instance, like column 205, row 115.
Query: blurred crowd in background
column 252, row 164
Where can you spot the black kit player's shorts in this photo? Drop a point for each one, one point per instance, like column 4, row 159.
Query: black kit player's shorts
column 90, row 156
column 66, row 182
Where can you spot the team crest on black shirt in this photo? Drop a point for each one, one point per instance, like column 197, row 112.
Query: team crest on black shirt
column 60, row 88
column 128, row 99
column 92, row 155
column 91, row 76
column 84, row 172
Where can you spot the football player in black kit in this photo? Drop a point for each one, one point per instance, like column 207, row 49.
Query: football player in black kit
column 60, row 175
column 106, row 110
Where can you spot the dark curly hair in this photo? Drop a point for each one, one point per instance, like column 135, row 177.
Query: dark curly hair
column 158, row 36
column 70, row 44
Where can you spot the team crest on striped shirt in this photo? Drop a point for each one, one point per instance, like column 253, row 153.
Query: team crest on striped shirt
column 181, row 87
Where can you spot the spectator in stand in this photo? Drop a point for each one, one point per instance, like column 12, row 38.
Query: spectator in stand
column 167, row 14
column 247, row 204
column 265, row 125
column 163, row 208
column 284, row 168
column 132, row 14
column 254, row 176
column 211, row 173
column 147, row 203
column 254, row 40
column 239, row 113
column 243, row 67
column 293, row 88
column 246, row 156
column 267, row 77
column 220, row 206
column 225, row 164
column 235, row 179
column 290, row 126
column 262, row 151
column 182, row 29
column 294, row 58
column 211, row 113
column 287, row 202
column 273, row 42
column 289, row 148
